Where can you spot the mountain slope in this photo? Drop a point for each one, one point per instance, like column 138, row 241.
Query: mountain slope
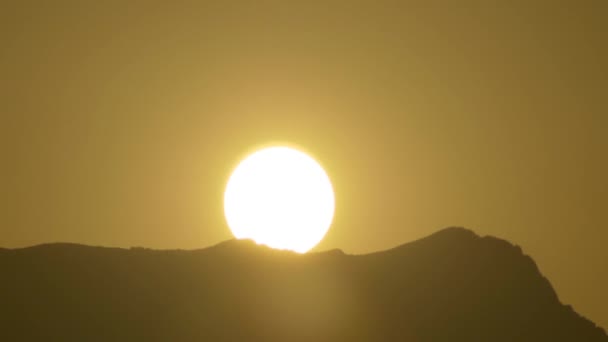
column 450, row 286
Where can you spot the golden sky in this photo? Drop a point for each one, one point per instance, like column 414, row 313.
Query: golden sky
column 121, row 121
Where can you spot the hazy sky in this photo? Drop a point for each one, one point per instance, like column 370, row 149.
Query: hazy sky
column 120, row 123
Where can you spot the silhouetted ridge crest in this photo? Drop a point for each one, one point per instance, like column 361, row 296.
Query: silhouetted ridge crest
column 332, row 252
column 237, row 246
column 454, row 233
column 60, row 246
column 449, row 236
column 450, row 286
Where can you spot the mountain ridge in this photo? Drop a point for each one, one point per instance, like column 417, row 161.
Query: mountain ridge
column 450, row 285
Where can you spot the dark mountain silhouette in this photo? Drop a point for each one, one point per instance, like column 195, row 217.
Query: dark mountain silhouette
column 450, row 286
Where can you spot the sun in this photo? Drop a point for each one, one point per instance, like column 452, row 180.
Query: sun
column 280, row 197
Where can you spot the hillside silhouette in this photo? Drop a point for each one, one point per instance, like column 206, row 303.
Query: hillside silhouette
column 450, row 286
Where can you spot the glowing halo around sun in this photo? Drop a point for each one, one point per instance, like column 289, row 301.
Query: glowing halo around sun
column 279, row 197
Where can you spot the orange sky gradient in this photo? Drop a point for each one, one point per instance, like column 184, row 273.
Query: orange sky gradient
column 121, row 122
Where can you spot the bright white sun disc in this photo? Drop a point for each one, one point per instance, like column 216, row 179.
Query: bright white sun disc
column 279, row 197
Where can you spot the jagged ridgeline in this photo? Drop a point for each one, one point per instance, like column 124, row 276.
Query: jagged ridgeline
column 450, row 286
